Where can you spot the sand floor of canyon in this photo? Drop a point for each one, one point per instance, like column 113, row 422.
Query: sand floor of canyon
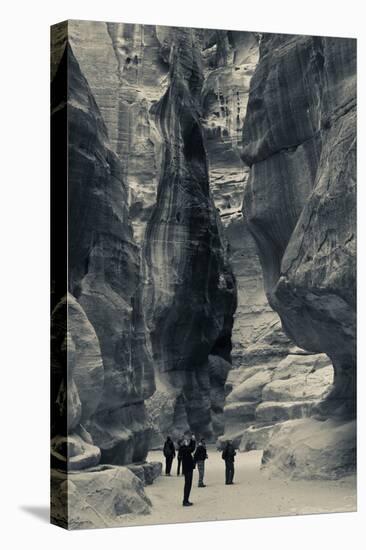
column 251, row 496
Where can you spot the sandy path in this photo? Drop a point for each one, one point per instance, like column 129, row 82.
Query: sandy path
column 252, row 495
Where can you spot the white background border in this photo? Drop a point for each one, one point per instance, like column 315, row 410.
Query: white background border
column 24, row 218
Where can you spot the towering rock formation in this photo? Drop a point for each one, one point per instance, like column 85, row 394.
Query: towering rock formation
column 126, row 69
column 139, row 80
column 110, row 369
column 263, row 357
column 299, row 140
column 189, row 287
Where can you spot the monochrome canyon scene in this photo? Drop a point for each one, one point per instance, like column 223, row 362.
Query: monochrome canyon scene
column 203, row 273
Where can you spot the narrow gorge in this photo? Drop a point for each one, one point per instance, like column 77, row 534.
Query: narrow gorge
column 211, row 255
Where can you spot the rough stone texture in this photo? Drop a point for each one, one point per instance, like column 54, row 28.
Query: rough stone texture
column 126, row 68
column 189, row 287
column 77, row 392
column 229, row 62
column 311, row 449
column 103, row 264
column 147, row 472
column 130, row 71
column 264, row 395
column 299, row 139
column 230, row 59
column 99, row 497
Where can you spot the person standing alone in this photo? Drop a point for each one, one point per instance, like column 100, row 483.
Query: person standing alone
column 169, row 453
column 188, row 466
column 199, row 457
column 228, row 455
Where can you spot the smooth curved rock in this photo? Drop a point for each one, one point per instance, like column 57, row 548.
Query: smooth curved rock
column 103, row 270
column 311, row 449
column 299, row 139
column 189, row 291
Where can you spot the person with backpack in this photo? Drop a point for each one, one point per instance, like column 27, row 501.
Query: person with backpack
column 169, row 453
column 199, row 457
column 228, row 455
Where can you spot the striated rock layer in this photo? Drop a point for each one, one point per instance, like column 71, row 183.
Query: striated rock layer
column 299, row 140
column 110, row 370
column 150, row 97
column 189, row 293
column 258, row 342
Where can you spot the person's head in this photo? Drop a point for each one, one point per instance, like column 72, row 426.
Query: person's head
column 168, row 438
column 203, row 442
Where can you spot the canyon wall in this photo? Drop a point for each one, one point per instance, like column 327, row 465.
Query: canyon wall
column 299, row 139
column 150, row 98
column 97, row 325
column 262, row 354
column 190, row 292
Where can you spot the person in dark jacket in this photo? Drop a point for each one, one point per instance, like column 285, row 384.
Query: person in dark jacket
column 179, row 455
column 199, row 457
column 188, row 466
column 169, row 453
column 228, row 455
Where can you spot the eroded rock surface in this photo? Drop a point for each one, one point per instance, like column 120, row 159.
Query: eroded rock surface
column 99, row 497
column 112, row 374
column 299, row 140
column 189, row 287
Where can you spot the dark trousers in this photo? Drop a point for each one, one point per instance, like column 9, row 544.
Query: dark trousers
column 187, row 485
column 179, row 466
column 168, row 464
column 229, row 471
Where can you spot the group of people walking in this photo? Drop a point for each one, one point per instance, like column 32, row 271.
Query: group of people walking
column 189, row 455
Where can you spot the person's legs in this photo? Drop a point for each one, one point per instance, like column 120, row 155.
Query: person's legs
column 232, row 473
column 179, row 465
column 201, row 473
column 169, row 461
column 227, row 472
column 187, row 486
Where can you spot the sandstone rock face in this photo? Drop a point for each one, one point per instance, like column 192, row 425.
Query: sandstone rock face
column 230, row 59
column 139, row 81
column 111, row 367
column 126, row 68
column 299, row 139
column 262, row 396
column 189, row 291
column 311, row 449
column 100, row 497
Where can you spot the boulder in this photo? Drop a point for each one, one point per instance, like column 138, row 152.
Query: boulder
column 147, row 472
column 255, row 437
column 311, row 449
column 98, row 497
